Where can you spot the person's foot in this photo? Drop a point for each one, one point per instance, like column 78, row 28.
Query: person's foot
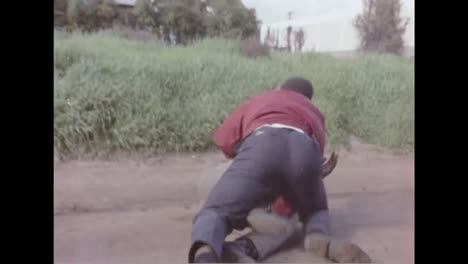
column 347, row 252
column 205, row 255
column 335, row 250
column 317, row 243
column 241, row 250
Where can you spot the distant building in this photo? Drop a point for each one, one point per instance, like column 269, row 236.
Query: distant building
column 329, row 31
column 326, row 35
column 125, row 2
column 124, row 12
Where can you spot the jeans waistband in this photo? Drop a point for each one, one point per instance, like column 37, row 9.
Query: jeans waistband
column 278, row 125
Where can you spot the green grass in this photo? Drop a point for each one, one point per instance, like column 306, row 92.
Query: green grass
column 113, row 95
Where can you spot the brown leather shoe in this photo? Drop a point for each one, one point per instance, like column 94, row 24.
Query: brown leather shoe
column 335, row 250
column 347, row 252
column 317, row 243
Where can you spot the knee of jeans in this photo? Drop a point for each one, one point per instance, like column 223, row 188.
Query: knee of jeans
column 207, row 214
column 209, row 228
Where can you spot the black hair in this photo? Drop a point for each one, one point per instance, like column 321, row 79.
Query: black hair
column 299, row 85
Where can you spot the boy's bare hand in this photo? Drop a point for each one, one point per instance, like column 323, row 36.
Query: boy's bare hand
column 329, row 165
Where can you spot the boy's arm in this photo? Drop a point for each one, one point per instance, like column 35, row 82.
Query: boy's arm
column 229, row 134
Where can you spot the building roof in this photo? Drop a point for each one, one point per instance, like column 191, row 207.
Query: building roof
column 125, row 2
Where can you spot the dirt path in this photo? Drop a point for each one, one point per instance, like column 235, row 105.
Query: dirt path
column 140, row 212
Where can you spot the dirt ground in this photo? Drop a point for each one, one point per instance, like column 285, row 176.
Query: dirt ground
column 130, row 211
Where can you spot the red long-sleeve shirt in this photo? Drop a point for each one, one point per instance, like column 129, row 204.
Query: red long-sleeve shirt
column 277, row 106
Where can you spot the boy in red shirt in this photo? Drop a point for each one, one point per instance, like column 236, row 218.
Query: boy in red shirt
column 276, row 141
